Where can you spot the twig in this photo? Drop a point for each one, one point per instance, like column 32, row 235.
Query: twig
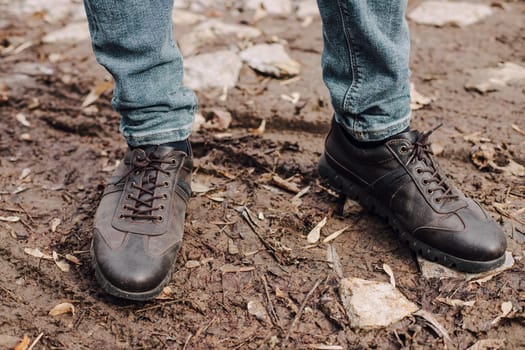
column 273, row 314
column 301, row 308
column 187, row 341
column 36, row 341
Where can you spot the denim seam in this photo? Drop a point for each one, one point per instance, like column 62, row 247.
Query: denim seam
column 353, row 54
column 136, row 135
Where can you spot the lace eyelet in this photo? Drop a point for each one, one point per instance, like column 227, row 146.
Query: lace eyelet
column 403, row 149
column 121, row 217
column 166, row 184
column 129, row 196
column 160, row 218
column 164, row 196
column 429, row 191
column 437, row 200
column 418, row 170
column 174, row 161
column 162, row 207
column 425, row 182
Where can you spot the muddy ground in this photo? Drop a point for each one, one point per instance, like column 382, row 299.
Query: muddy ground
column 71, row 151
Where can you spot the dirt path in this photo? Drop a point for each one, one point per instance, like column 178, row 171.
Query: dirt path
column 227, row 263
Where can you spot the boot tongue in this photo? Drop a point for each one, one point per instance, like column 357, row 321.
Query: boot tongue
column 412, row 136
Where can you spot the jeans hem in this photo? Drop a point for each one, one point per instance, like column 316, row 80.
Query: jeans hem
column 157, row 138
column 378, row 133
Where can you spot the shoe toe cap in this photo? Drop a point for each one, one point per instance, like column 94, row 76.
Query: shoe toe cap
column 130, row 268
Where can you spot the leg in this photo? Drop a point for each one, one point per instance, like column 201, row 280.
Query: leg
column 133, row 40
column 365, row 65
column 139, row 224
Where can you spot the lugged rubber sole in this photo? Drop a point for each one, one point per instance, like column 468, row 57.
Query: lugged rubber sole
column 352, row 190
column 109, row 288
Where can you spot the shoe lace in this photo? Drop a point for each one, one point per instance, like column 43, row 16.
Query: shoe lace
column 421, row 151
column 146, row 168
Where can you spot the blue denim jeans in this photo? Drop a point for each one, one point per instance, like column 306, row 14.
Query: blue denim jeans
column 365, row 67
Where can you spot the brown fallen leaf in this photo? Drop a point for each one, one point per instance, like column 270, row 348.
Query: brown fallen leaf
column 390, row 273
column 62, row 308
column 24, row 343
column 37, row 253
column 506, row 308
column 221, row 120
column 9, row 218
column 97, row 91
column 315, row 234
column 62, row 265
column 433, row 323
column 73, row 259
column 335, row 234
column 456, row 302
column 166, row 294
column 54, row 224
column 260, row 130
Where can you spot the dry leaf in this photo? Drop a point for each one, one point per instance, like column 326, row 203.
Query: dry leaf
column 54, row 224
column 62, row 265
column 315, row 234
column 334, row 261
column 257, row 309
column 96, row 92
column 325, row 347
column 199, row 188
column 506, row 308
column 217, row 199
column 24, row 343
column 456, row 302
column 260, row 130
column 166, row 294
column 335, row 234
column 21, row 118
column 433, row 323
column 73, row 259
column 37, row 253
column 9, row 218
column 191, row 264
column 229, row 268
column 390, row 273
column 25, row 173
column 62, row 308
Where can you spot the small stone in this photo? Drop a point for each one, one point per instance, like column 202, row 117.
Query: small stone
column 372, row 304
column 440, row 13
column 274, row 7
column 271, row 59
column 232, row 247
column 307, row 8
column 212, row 70
column 431, row 269
column 493, row 79
column 72, row 33
column 257, row 309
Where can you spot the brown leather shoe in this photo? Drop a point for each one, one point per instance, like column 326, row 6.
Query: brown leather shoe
column 401, row 182
column 139, row 223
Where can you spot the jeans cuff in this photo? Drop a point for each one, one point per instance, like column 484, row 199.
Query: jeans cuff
column 364, row 131
column 157, row 137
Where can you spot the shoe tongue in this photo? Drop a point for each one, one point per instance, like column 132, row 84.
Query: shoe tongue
column 412, row 136
column 158, row 151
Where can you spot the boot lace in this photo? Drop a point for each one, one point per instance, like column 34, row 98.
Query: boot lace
column 146, row 168
column 421, row 151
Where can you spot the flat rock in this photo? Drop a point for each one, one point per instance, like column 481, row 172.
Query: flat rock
column 493, row 79
column 185, row 18
column 212, row 70
column 434, row 270
column 209, row 31
column 271, row 59
column 440, row 13
column 273, row 7
column 72, row 33
column 372, row 304
column 307, row 8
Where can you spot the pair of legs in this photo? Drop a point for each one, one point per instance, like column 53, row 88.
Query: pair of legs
column 365, row 67
column 369, row 154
